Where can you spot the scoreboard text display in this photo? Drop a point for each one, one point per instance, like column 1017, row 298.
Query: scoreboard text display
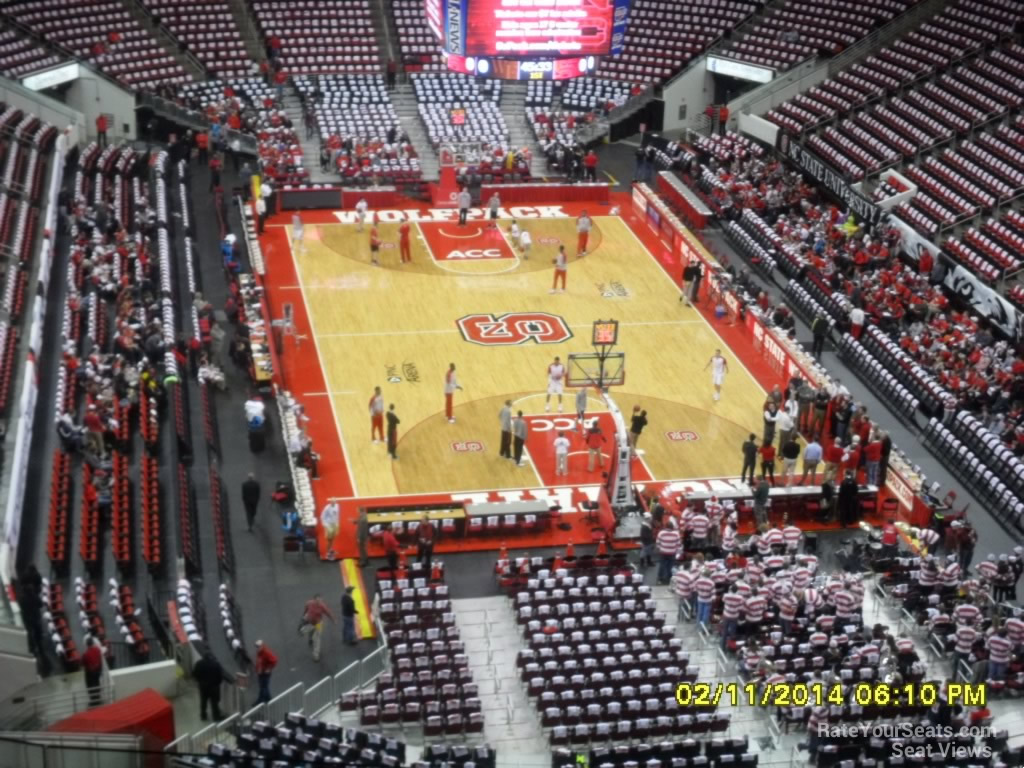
column 538, row 27
column 529, row 28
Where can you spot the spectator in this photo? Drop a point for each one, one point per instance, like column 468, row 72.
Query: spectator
column 92, row 667
column 848, row 500
column 590, row 165
column 313, row 623
column 250, row 499
column 812, row 457
column 425, row 535
column 391, row 548
column 819, row 333
column 749, row 458
column 101, row 130
column 646, row 541
column 668, row 542
column 790, row 455
column 209, row 675
column 348, row 617
column 761, row 501
column 768, row 461
column 266, row 660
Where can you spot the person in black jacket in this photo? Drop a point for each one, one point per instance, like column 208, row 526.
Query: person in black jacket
column 749, row 458
column 819, row 330
column 250, row 498
column 348, row 617
column 393, row 422
column 209, row 674
column 848, row 501
column 647, row 541
column 637, row 424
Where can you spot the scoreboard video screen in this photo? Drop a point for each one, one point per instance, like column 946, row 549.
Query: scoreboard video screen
column 529, row 29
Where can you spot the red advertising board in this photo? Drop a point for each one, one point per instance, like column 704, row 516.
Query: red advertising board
column 538, row 27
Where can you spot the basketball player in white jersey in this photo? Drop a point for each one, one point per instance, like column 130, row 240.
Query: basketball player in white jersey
column 525, row 242
column 556, row 384
column 298, row 233
column 718, row 370
column 361, row 208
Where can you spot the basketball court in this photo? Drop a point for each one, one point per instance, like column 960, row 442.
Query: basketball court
column 470, row 298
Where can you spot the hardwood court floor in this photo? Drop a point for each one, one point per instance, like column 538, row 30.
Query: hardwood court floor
column 396, row 326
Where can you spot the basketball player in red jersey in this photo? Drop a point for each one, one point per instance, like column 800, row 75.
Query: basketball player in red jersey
column 403, row 241
column 583, row 225
column 377, row 415
column 374, row 244
column 556, row 384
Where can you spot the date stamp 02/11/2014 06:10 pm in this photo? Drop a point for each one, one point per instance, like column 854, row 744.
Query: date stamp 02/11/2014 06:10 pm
column 864, row 694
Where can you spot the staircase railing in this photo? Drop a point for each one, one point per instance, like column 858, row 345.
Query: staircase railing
column 193, row 119
column 41, row 712
column 601, row 126
column 311, row 701
column 168, row 38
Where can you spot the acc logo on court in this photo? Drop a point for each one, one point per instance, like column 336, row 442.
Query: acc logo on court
column 475, row 253
column 514, row 328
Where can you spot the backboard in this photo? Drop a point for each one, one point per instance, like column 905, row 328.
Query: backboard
column 593, row 370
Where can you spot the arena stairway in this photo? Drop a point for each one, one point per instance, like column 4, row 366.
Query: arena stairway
column 404, row 100
column 310, row 146
column 513, row 109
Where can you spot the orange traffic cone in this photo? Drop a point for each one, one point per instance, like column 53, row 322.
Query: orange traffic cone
column 602, row 548
column 570, row 551
column 557, row 563
column 436, row 573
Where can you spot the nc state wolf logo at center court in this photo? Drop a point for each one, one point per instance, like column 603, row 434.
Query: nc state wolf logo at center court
column 514, row 328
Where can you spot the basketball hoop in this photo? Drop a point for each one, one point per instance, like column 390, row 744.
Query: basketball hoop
column 604, row 368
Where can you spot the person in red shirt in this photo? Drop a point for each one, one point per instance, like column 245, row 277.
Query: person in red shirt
column 391, row 547
column 403, row 242
column 768, row 460
column 873, row 459
column 590, row 165
column 833, row 458
column 374, row 245
column 595, row 439
column 101, row 130
column 92, row 666
column 852, row 461
column 94, row 431
column 425, row 534
column 203, row 145
column 313, row 623
column 266, row 660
